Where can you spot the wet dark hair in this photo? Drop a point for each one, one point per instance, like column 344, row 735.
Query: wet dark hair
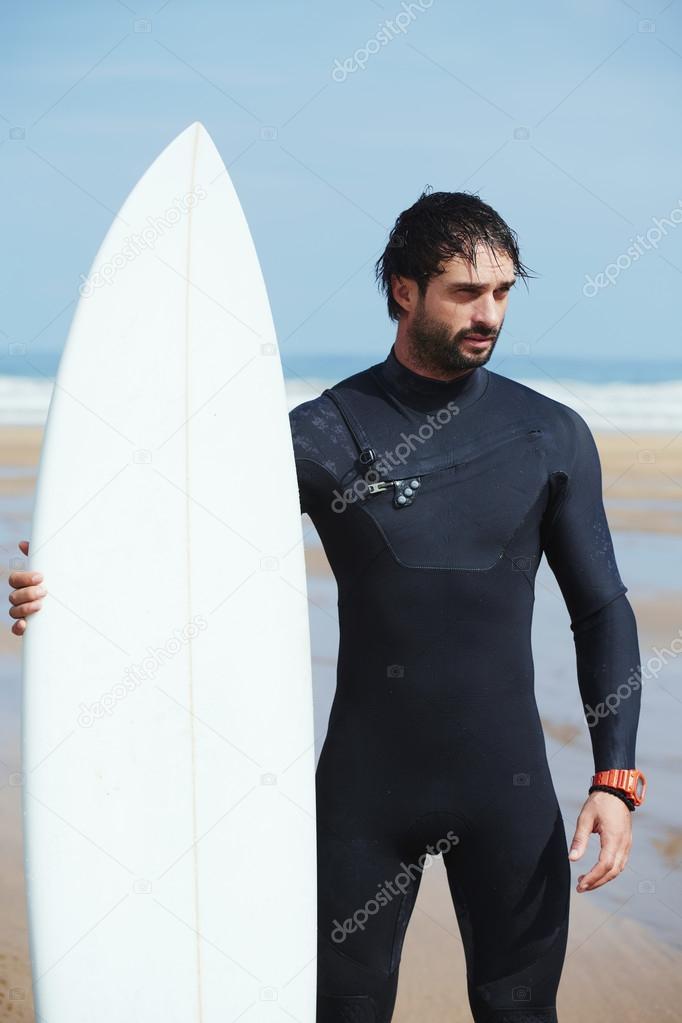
column 437, row 227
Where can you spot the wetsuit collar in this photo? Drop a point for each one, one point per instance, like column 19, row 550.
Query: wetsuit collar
column 423, row 392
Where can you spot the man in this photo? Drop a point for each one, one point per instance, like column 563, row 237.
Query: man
column 435, row 486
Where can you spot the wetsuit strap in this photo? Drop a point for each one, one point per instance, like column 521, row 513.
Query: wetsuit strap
column 367, row 452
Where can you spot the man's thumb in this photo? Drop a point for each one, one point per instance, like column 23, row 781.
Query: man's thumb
column 579, row 843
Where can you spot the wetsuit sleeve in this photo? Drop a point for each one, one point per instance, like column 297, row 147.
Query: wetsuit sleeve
column 307, row 431
column 578, row 546
column 306, row 484
column 303, row 475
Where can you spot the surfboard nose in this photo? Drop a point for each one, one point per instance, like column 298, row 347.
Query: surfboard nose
column 193, row 133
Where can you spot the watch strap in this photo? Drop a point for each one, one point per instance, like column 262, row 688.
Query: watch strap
column 626, row 780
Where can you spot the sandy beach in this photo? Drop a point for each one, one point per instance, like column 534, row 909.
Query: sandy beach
column 618, row 967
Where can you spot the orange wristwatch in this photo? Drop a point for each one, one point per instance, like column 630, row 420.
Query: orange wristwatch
column 625, row 780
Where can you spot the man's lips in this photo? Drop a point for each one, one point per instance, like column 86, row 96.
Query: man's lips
column 477, row 339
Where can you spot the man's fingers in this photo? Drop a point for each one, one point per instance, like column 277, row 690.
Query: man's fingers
column 608, row 877
column 603, row 866
column 26, row 594
column 20, row 579
column 26, row 587
column 25, row 609
column 611, row 861
column 601, row 874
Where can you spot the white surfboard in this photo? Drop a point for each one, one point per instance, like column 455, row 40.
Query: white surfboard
column 167, row 724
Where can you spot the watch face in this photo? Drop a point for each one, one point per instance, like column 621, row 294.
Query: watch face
column 639, row 787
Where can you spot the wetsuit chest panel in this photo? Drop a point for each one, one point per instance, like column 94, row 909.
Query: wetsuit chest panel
column 474, row 507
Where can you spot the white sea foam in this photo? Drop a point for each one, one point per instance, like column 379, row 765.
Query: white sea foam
column 606, row 406
column 24, row 400
column 614, row 406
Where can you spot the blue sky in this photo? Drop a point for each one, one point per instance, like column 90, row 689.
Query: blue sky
column 563, row 117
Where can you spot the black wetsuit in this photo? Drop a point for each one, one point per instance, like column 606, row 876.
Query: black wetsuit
column 434, row 735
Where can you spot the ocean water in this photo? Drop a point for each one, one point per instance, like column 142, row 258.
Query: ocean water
column 611, row 396
column 625, row 395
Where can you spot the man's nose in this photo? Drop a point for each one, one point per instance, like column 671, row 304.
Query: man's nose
column 485, row 315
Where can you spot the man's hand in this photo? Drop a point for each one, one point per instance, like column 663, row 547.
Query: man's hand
column 26, row 597
column 609, row 817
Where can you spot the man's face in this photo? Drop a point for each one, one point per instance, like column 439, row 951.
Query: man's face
column 461, row 302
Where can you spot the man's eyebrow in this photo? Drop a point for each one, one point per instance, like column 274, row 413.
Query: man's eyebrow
column 456, row 285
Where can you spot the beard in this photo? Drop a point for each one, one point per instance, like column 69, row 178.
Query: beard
column 437, row 350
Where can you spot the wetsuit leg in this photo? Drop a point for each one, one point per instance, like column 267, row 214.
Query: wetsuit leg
column 510, row 883
column 360, row 936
